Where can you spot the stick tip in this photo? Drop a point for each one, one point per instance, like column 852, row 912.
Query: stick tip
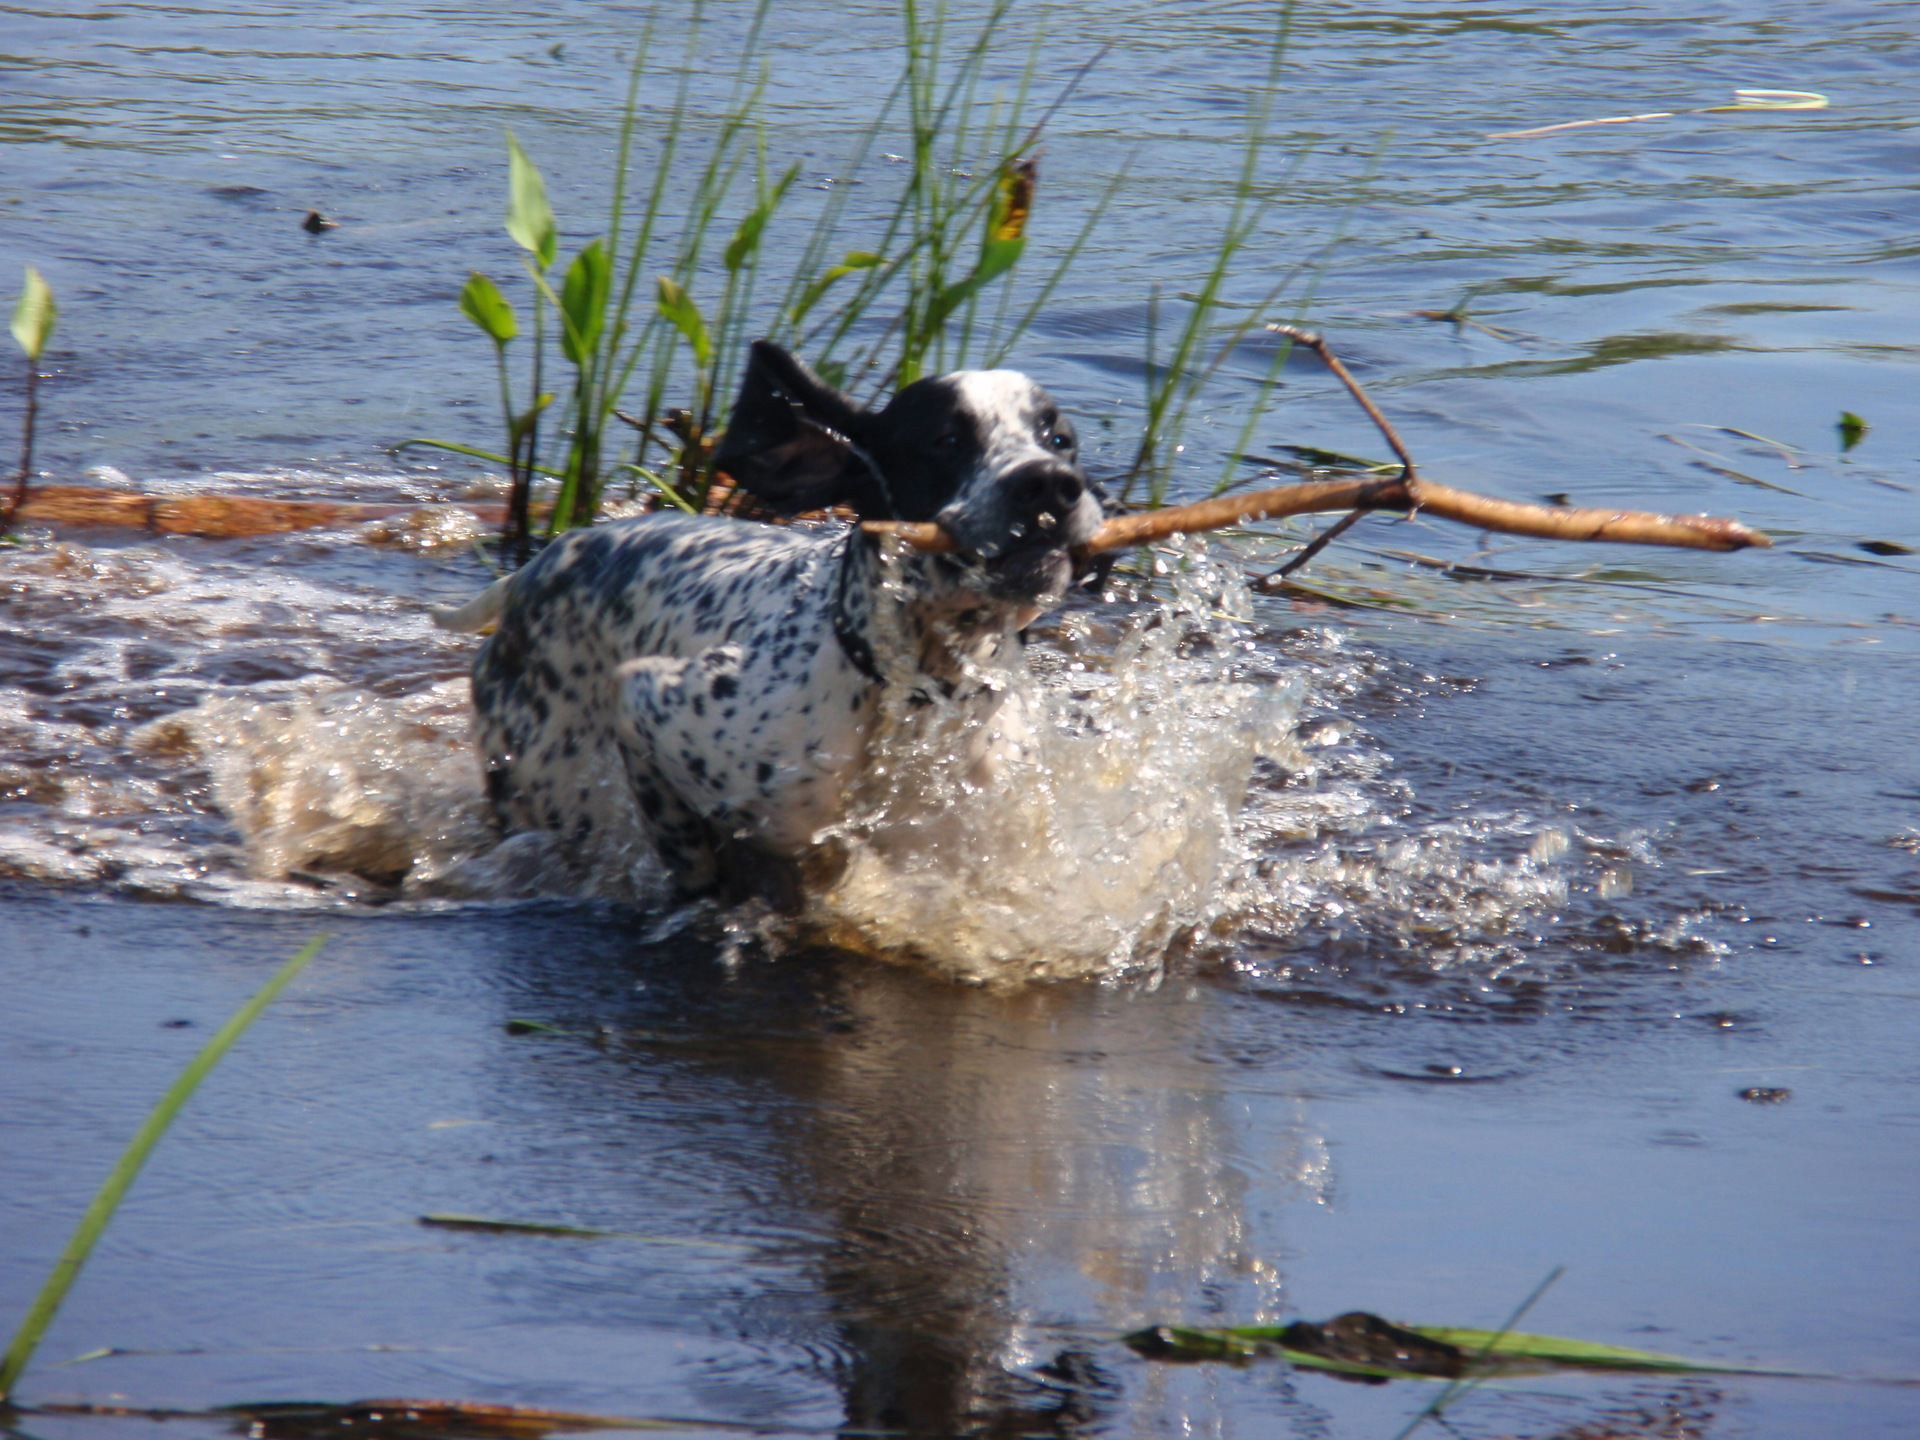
column 1726, row 534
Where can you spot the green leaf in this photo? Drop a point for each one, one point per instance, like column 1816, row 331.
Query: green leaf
column 1851, row 427
column 33, row 317
column 523, row 422
column 680, row 312
column 1479, row 1352
column 482, row 303
column 1000, row 247
column 856, row 260
column 529, row 217
column 747, row 238
column 583, row 302
column 1579, row 1354
column 996, row 258
column 114, row 1189
column 1012, row 201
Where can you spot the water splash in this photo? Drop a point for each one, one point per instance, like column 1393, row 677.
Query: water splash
column 1112, row 834
column 342, row 783
column 202, row 726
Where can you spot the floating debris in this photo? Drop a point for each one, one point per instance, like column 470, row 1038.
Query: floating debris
column 1366, row 1347
column 1744, row 100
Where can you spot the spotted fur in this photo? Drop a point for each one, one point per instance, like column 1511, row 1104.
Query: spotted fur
column 726, row 677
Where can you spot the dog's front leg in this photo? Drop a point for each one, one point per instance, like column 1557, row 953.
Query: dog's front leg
column 651, row 731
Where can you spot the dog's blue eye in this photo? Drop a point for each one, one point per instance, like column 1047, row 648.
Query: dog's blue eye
column 1059, row 441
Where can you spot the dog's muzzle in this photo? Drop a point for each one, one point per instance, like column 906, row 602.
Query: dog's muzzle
column 1048, row 513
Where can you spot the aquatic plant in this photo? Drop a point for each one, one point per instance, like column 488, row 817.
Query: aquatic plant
column 113, row 1190
column 871, row 320
column 956, row 228
column 1201, row 345
column 33, row 317
column 1364, row 1346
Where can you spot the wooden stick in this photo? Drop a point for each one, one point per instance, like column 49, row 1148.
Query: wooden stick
column 242, row 516
column 1317, row 343
column 1628, row 527
column 1631, row 527
column 1407, row 491
column 1409, row 476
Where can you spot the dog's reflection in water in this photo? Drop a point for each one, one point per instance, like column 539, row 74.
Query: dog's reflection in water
column 1015, row 1179
column 997, row 1185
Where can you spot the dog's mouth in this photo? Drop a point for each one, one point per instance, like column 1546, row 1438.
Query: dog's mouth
column 1037, row 568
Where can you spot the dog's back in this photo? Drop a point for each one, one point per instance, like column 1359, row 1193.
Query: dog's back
column 674, row 662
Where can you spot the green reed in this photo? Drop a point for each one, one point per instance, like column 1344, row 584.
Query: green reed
column 33, row 317
column 644, row 318
column 652, row 318
column 99, row 1214
column 1202, row 345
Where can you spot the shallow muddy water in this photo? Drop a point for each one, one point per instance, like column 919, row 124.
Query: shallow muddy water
column 1528, row 922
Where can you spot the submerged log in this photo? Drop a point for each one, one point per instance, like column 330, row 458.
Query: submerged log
column 218, row 517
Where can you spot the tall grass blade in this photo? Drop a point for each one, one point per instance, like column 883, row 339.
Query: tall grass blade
column 912, row 298
column 746, row 240
column 100, row 1213
column 33, row 319
column 454, row 447
column 812, row 295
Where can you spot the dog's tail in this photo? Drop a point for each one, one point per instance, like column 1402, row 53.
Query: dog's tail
column 478, row 614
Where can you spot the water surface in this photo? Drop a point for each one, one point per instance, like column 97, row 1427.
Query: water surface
column 1533, row 881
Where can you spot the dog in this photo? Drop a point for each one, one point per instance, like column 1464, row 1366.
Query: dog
column 727, row 678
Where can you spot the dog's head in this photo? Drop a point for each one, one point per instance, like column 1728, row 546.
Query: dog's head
column 985, row 454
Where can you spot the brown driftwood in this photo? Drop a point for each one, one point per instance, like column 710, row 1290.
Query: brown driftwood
column 1632, row 527
column 220, row 517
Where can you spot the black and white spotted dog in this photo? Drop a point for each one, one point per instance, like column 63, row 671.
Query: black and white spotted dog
column 728, row 676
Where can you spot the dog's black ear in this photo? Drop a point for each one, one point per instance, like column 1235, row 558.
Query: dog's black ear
column 795, row 441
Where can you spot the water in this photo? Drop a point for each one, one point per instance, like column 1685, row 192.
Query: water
column 1530, row 879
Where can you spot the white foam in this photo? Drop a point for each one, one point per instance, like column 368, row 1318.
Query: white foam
column 1119, row 833
column 1164, row 802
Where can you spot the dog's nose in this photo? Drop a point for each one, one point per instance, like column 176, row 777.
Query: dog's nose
column 1044, row 495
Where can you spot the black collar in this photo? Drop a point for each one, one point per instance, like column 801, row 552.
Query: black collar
column 854, row 645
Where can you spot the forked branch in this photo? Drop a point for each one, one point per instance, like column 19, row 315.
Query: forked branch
column 1405, row 491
